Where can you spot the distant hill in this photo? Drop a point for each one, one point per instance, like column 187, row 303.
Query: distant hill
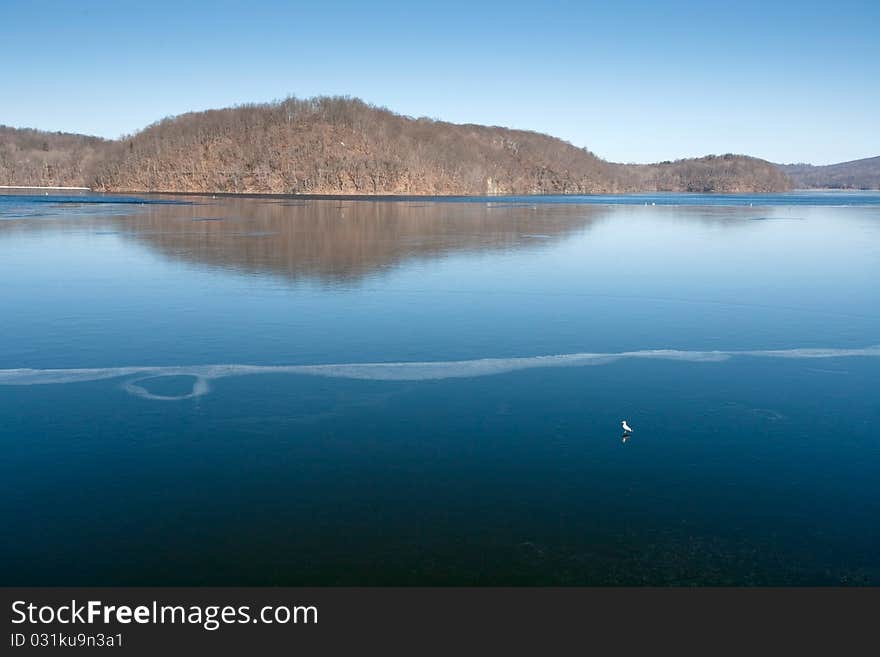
column 857, row 174
column 33, row 157
column 345, row 146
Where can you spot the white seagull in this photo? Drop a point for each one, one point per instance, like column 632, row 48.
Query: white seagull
column 625, row 426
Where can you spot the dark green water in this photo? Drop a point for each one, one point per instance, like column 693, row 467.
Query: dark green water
column 159, row 455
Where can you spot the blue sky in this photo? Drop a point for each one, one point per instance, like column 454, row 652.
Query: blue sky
column 632, row 81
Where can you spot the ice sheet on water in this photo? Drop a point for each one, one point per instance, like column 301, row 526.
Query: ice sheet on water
column 402, row 371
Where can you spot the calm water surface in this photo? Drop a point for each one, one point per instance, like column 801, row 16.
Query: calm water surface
column 376, row 444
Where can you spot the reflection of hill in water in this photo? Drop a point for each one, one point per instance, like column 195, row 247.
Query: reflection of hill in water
column 339, row 240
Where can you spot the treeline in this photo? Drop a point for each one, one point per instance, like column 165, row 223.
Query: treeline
column 33, row 157
column 712, row 173
column 334, row 145
column 856, row 174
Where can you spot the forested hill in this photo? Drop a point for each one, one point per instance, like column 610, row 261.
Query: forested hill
column 856, row 174
column 33, row 157
column 345, row 146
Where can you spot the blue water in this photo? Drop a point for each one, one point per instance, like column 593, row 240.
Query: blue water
column 433, row 444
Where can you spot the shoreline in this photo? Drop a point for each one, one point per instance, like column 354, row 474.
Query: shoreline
column 440, row 197
column 50, row 187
